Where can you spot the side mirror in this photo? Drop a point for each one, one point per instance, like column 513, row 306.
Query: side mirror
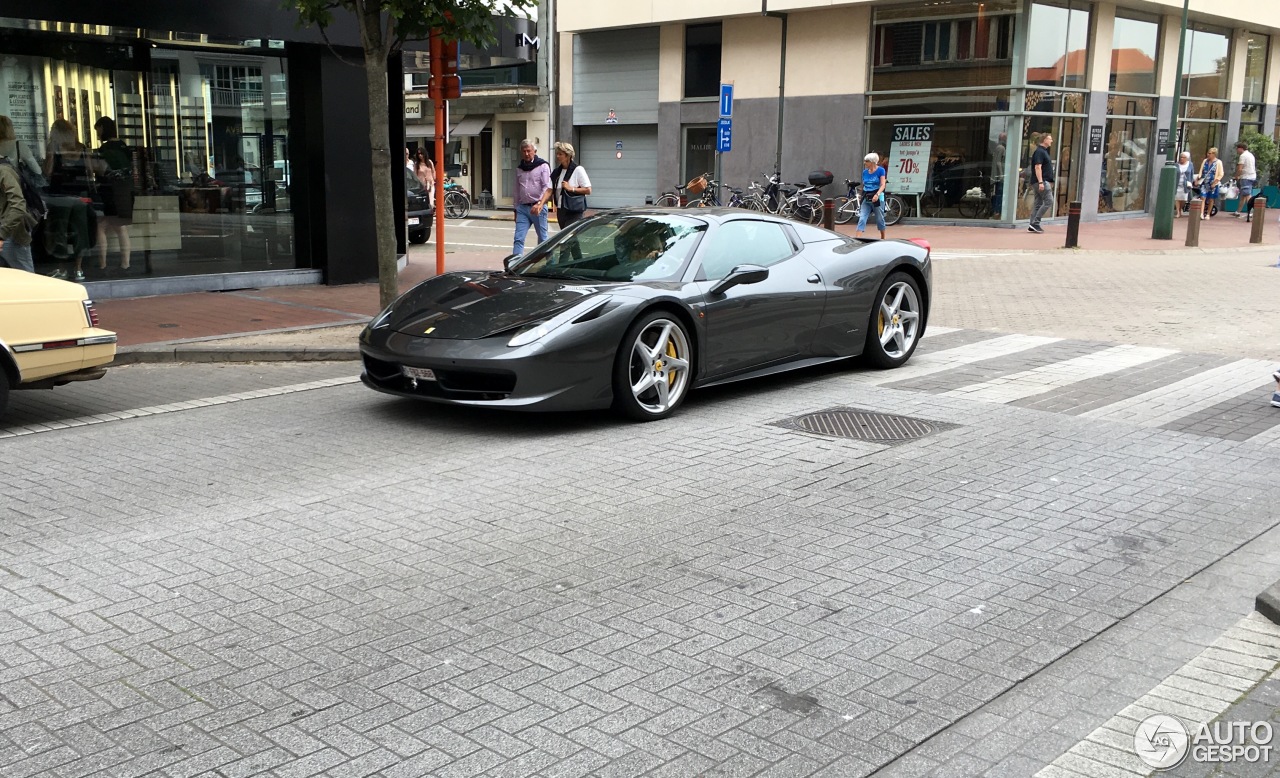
column 506, row 263
column 742, row 274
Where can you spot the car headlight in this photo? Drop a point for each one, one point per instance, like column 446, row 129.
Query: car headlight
column 536, row 332
column 382, row 319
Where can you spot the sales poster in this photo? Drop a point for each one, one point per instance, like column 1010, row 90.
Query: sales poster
column 908, row 164
column 22, row 100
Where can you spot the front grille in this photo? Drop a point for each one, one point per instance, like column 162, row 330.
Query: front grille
column 449, row 384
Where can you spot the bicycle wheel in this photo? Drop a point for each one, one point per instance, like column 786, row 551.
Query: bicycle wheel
column 846, row 210
column 667, row 201
column 456, row 205
column 894, row 207
column 808, row 210
column 931, row 205
column 969, row 209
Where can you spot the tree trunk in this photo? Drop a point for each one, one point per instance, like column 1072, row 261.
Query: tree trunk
column 375, row 66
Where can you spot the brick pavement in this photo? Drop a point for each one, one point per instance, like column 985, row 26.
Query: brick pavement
column 334, row 582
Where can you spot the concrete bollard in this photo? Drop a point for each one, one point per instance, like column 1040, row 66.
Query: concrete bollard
column 1073, row 225
column 1259, row 221
column 829, row 214
column 1193, row 223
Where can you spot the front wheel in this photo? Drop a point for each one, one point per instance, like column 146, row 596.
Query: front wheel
column 456, row 205
column 896, row 321
column 846, row 209
column 653, row 370
column 667, row 201
column 894, row 207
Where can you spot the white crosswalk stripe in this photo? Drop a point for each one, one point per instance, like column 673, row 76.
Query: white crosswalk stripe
column 1046, row 378
column 947, row 359
column 1190, row 395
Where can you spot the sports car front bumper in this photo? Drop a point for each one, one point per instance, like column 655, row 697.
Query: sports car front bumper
column 564, row 371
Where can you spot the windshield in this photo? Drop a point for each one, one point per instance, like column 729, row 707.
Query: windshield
column 616, row 247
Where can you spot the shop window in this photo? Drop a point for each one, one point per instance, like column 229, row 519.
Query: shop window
column 960, row 45
column 1205, row 63
column 171, row 163
column 1255, row 66
column 1134, row 48
column 1126, row 165
column 702, row 60
column 1057, row 45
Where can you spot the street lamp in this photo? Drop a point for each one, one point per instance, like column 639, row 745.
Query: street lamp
column 1162, row 225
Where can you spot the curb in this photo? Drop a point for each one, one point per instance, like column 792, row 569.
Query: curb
column 153, row 356
column 1268, row 602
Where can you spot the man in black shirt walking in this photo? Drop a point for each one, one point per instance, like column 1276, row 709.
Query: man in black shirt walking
column 1042, row 180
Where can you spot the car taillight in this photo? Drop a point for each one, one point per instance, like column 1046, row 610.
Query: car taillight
column 91, row 313
column 922, row 243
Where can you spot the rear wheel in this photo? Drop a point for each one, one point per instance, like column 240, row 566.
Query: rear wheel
column 667, row 201
column 4, row 390
column 894, row 329
column 846, row 210
column 894, row 207
column 653, row 370
column 419, row 236
column 456, row 204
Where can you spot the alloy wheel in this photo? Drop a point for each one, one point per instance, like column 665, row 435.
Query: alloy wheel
column 659, row 366
column 899, row 321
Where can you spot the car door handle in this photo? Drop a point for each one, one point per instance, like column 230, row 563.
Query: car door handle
column 814, row 279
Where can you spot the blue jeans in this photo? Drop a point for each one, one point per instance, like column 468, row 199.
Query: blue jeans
column 865, row 212
column 524, row 218
column 18, row 257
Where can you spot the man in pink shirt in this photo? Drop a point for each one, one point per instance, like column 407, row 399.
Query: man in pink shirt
column 533, row 189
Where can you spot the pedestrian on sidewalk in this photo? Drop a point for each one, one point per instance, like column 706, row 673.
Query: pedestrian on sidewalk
column 571, row 186
column 114, row 170
column 1209, row 180
column 1275, row 396
column 1246, row 179
column 1042, row 178
column 874, row 179
column 533, row 190
column 1186, row 181
column 424, row 169
column 15, row 228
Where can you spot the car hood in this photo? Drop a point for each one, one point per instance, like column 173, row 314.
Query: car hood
column 471, row 305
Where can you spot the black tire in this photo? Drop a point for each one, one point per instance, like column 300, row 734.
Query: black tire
column 894, row 207
column 625, row 367
column 845, row 210
column 874, row 351
column 667, row 201
column 931, row 206
column 420, row 236
column 4, row 390
column 968, row 209
column 456, row 204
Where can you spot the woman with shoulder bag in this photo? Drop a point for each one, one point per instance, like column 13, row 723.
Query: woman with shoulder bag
column 1209, row 179
column 571, row 186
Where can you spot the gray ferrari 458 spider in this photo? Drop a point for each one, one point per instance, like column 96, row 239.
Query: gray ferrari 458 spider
column 633, row 308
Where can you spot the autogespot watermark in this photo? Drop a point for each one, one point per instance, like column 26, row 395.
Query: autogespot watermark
column 1163, row 742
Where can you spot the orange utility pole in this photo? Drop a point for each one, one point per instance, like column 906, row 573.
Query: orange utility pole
column 445, row 85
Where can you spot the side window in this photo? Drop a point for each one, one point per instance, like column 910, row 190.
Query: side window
column 744, row 242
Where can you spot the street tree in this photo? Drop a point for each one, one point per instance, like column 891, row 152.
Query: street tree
column 385, row 25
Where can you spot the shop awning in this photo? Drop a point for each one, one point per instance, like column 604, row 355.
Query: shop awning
column 461, row 126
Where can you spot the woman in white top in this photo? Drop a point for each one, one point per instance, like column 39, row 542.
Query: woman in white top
column 571, row 186
column 1186, row 179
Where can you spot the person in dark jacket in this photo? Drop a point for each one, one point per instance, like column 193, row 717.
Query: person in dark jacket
column 72, row 223
column 15, row 236
column 114, row 168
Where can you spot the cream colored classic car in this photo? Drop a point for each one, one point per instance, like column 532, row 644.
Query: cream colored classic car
column 49, row 334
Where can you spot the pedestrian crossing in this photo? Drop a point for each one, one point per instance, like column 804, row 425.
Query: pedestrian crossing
column 1158, row 388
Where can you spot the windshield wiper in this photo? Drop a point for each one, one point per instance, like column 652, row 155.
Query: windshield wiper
column 561, row 276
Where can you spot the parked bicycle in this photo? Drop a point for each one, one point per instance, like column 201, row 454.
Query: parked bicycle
column 457, row 201
column 691, row 193
column 849, row 207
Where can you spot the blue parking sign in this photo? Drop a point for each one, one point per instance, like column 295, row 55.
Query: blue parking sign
column 724, row 135
column 726, row 100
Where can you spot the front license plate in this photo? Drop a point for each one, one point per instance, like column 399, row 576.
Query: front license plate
column 413, row 221
column 418, row 373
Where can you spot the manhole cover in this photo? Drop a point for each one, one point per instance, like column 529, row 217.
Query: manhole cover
column 864, row 425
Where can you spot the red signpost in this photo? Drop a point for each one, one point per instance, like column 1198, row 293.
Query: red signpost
column 445, row 85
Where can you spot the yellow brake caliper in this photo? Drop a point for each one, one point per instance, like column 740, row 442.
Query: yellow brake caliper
column 671, row 352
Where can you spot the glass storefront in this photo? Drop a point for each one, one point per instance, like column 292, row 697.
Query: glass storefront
column 157, row 157
column 1255, row 78
column 1203, row 116
column 1131, row 121
column 699, row 151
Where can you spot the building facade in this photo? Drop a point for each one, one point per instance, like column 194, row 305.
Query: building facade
column 956, row 94
column 505, row 99
column 241, row 154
